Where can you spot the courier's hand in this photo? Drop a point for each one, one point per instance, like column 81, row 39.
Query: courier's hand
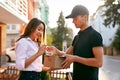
column 51, row 49
column 69, row 59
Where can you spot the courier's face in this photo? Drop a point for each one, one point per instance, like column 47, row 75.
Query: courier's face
column 80, row 21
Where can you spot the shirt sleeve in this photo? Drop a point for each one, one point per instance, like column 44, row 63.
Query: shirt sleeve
column 97, row 40
column 20, row 51
column 75, row 40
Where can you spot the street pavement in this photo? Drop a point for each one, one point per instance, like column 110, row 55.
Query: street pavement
column 110, row 69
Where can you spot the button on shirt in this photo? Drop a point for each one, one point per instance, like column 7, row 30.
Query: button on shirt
column 25, row 48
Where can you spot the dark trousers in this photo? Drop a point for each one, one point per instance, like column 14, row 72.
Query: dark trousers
column 29, row 75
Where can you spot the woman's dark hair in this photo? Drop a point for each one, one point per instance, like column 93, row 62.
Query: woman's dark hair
column 31, row 26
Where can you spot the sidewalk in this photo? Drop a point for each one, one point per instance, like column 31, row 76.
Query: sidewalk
column 103, row 75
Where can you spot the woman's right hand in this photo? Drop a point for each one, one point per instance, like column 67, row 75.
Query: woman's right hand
column 41, row 49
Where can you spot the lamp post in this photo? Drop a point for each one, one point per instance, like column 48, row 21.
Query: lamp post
column 64, row 43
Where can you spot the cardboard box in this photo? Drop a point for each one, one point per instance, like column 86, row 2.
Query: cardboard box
column 53, row 62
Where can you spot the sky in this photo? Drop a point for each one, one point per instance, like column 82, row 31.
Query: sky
column 66, row 6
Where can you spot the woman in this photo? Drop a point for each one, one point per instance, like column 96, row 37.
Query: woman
column 29, row 50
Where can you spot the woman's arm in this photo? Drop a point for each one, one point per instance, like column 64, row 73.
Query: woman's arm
column 41, row 50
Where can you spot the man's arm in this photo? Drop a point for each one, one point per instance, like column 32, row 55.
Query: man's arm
column 70, row 50
column 97, row 61
column 54, row 50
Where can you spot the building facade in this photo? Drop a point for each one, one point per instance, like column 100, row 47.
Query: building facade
column 14, row 15
column 11, row 12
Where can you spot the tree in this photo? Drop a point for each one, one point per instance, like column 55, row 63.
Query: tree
column 112, row 13
column 61, row 33
column 49, row 39
column 116, row 41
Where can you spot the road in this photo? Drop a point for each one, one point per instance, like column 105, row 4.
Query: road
column 111, row 68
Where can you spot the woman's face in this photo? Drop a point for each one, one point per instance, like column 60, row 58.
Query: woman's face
column 37, row 32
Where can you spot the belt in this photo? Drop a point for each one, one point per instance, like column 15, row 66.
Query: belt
column 24, row 72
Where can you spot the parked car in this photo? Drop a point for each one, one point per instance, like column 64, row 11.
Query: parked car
column 10, row 54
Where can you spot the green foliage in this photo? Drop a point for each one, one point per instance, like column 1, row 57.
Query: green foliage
column 49, row 39
column 45, row 75
column 108, row 2
column 62, row 79
column 56, row 38
column 116, row 41
column 112, row 17
column 112, row 13
column 61, row 33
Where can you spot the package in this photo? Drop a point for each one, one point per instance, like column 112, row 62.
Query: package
column 53, row 62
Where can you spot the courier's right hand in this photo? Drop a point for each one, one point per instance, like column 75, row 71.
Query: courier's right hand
column 51, row 49
column 54, row 50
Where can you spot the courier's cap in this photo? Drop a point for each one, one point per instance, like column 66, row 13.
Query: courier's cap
column 78, row 10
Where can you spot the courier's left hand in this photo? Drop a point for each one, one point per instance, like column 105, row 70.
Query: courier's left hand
column 69, row 59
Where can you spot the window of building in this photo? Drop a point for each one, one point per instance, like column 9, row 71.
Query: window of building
column 13, row 27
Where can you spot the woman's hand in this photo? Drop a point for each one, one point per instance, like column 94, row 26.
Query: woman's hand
column 46, row 68
column 41, row 49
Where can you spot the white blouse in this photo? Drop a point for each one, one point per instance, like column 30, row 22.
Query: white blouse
column 24, row 49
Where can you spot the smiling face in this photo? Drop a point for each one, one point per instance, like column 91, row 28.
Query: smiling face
column 38, row 32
